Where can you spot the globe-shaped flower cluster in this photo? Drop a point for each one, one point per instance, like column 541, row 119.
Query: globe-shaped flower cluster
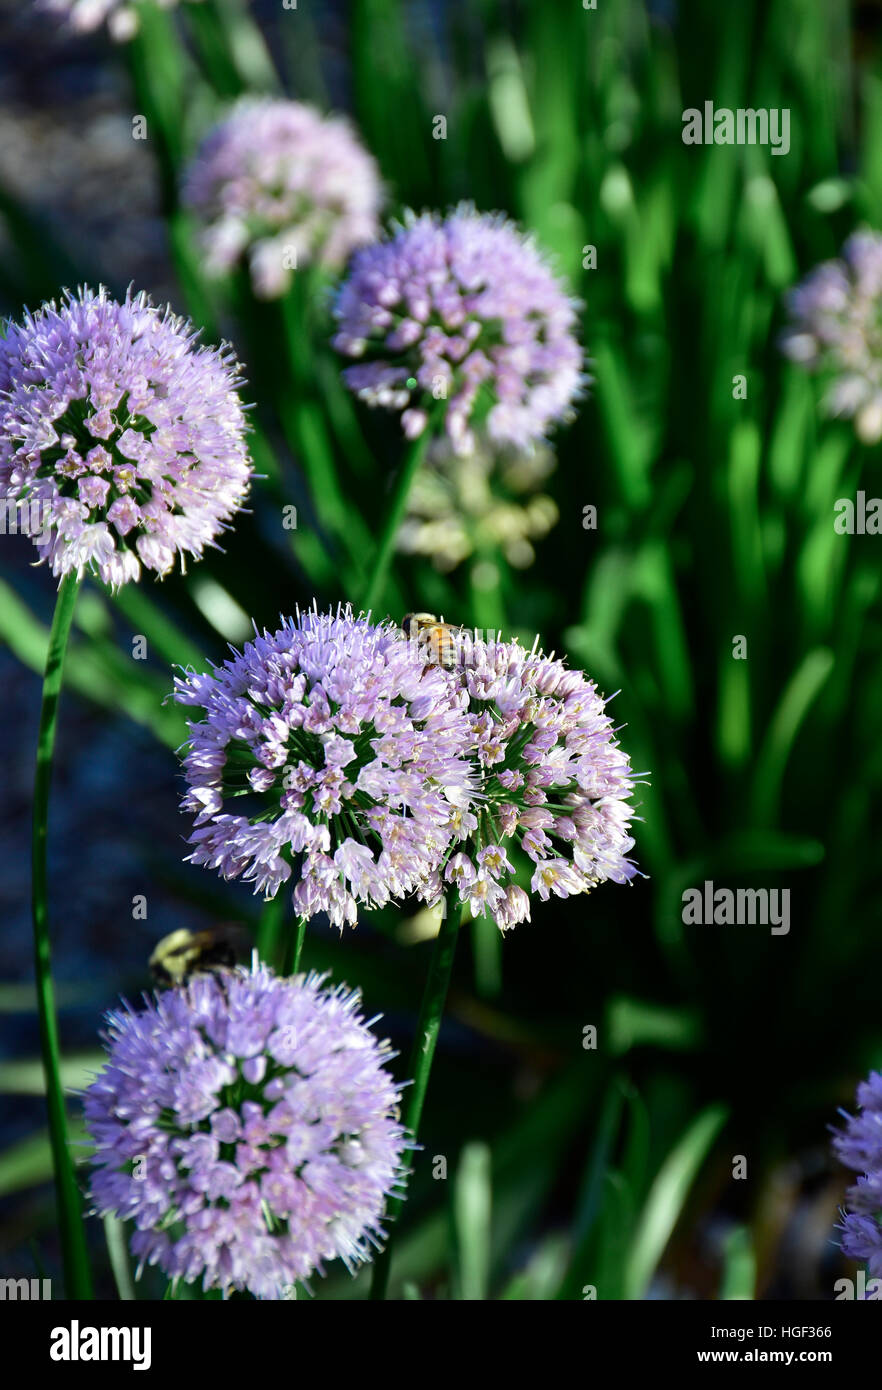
column 836, row 330
column 280, row 184
column 122, row 440
column 554, row 783
column 859, row 1146
column 351, row 755
column 461, row 316
column 246, row 1125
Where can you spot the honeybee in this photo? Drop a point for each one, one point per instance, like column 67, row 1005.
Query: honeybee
column 436, row 640
column 184, row 953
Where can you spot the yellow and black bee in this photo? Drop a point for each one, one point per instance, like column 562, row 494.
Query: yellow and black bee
column 437, row 642
column 184, row 953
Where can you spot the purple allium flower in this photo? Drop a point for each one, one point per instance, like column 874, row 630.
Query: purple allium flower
column 554, row 783
column 247, row 1126
column 283, row 184
column 837, row 330
column 461, row 309
column 82, row 16
column 124, row 435
column 352, row 754
column 859, row 1146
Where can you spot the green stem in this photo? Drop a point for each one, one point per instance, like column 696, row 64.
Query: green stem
column 409, row 469
column 77, row 1278
column 118, row 1254
column 421, row 1056
column 294, row 947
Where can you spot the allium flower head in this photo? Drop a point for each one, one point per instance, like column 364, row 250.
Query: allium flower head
column 859, row 1146
column 246, row 1125
column 82, row 16
column 554, row 783
column 837, row 330
column 351, row 754
column 461, row 504
column 280, row 183
column 125, row 435
column 465, row 310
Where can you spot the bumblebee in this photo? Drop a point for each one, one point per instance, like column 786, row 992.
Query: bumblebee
column 437, row 642
column 184, row 953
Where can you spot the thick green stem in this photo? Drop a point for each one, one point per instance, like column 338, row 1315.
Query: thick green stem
column 70, row 1212
column 416, row 453
column 421, row 1057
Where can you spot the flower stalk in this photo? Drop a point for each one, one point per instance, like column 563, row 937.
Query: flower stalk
column 294, row 948
column 70, row 1214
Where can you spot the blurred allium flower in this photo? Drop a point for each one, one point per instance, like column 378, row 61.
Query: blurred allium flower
column 124, row 435
column 859, row 1146
column 246, row 1124
column 121, row 16
column 837, row 329
column 463, row 503
column 554, row 783
column 285, row 185
column 352, row 756
column 463, row 309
